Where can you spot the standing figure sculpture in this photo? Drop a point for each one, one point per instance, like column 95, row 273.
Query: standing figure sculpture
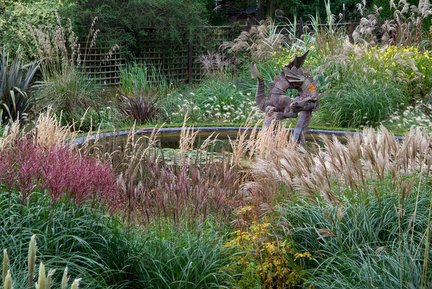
column 279, row 106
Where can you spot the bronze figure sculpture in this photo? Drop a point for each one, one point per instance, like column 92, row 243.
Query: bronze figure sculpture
column 279, row 106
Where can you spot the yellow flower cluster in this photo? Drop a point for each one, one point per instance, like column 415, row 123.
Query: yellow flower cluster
column 403, row 63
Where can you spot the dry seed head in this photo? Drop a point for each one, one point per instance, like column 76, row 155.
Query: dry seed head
column 49, row 132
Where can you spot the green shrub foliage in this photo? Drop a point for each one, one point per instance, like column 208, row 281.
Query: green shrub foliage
column 24, row 15
column 127, row 22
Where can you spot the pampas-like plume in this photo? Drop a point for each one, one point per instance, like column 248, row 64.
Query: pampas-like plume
column 359, row 165
column 42, row 280
column 31, row 260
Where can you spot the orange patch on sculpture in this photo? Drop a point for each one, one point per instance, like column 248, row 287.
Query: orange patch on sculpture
column 312, row 87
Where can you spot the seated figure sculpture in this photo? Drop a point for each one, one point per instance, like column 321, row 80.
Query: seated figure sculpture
column 279, row 106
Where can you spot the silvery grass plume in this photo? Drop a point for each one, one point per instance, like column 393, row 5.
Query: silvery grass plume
column 257, row 143
column 359, row 165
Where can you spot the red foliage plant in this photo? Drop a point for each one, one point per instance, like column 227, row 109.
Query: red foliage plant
column 60, row 171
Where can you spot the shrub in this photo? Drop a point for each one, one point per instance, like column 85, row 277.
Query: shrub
column 126, row 23
column 23, row 14
column 260, row 257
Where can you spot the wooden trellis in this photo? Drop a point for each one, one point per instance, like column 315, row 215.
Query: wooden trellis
column 103, row 65
column 177, row 60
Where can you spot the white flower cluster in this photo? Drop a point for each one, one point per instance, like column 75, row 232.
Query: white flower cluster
column 417, row 116
column 227, row 109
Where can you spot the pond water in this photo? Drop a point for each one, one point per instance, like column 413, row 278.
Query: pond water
column 167, row 140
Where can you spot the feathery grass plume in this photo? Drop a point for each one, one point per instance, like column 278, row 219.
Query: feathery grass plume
column 42, row 279
column 7, row 282
column 258, row 143
column 75, row 284
column 49, row 132
column 406, row 27
column 5, row 265
column 31, row 260
column 360, row 165
column 11, row 133
column 65, row 279
column 259, row 42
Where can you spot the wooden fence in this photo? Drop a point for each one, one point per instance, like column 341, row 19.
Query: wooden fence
column 177, row 60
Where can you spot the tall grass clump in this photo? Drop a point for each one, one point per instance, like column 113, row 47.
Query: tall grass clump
column 179, row 257
column 362, row 208
column 377, row 244
column 192, row 185
column 68, row 236
column 364, row 87
column 406, row 27
column 360, row 101
column 143, row 77
column 66, row 87
column 105, row 253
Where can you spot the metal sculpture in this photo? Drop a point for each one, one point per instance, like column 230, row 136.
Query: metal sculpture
column 279, row 106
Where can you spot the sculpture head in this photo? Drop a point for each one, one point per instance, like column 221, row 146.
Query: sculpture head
column 308, row 98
